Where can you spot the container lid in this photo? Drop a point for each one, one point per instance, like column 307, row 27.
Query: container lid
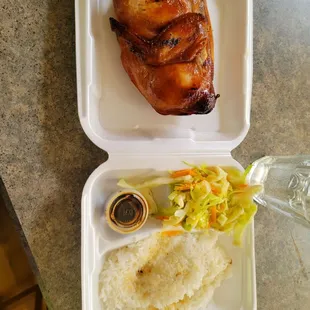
column 118, row 119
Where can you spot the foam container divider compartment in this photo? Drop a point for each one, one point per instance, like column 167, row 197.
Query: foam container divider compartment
column 117, row 118
column 238, row 292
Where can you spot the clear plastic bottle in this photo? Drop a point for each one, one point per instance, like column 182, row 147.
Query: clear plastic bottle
column 286, row 185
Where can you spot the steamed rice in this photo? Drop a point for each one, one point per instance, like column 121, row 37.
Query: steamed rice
column 161, row 272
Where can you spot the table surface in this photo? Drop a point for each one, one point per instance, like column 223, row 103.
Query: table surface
column 45, row 157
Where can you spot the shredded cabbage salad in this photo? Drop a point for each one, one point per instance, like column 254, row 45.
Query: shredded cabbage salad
column 203, row 197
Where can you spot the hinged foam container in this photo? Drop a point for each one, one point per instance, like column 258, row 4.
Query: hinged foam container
column 117, row 118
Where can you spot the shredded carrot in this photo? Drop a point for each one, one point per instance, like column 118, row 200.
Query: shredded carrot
column 181, row 173
column 162, row 217
column 222, row 207
column 171, row 233
column 242, row 186
column 183, row 187
column 215, row 190
column 213, row 215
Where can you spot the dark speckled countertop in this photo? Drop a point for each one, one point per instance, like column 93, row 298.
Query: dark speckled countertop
column 45, row 157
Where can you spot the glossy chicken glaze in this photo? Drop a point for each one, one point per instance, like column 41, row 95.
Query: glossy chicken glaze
column 167, row 51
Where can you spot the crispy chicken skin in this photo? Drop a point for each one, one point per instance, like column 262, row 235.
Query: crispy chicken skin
column 167, row 51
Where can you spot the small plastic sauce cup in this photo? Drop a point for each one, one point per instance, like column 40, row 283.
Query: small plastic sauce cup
column 126, row 211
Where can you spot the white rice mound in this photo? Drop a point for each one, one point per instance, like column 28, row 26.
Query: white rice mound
column 161, row 272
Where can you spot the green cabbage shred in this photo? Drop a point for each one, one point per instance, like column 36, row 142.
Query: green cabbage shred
column 204, row 197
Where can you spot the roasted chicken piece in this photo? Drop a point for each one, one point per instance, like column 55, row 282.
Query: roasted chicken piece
column 167, row 51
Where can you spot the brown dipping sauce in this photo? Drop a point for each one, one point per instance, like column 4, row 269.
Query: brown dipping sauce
column 127, row 211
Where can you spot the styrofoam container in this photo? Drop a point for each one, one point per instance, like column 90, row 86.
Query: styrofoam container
column 117, row 118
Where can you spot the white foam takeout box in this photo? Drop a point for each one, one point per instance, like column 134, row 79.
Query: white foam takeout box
column 117, row 118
